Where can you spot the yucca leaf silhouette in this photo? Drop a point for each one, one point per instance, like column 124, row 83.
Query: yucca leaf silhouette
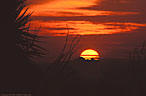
column 26, row 41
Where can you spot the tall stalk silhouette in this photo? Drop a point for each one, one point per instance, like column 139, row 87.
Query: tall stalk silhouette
column 60, row 72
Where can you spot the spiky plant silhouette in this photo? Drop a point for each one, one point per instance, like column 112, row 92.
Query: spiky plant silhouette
column 136, row 70
column 26, row 41
column 27, row 47
column 60, row 72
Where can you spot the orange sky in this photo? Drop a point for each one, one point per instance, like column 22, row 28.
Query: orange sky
column 77, row 14
column 113, row 26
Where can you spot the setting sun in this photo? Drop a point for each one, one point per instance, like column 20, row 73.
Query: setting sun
column 90, row 54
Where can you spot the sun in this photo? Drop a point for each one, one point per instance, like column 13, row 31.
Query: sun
column 90, row 54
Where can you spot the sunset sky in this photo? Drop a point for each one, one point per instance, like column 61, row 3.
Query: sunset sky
column 120, row 24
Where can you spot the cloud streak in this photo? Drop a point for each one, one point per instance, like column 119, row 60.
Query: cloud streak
column 88, row 16
column 119, row 5
column 37, row 2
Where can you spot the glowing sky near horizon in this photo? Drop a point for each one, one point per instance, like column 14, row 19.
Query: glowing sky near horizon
column 71, row 12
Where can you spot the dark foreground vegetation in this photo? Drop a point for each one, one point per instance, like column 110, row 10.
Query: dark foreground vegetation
column 70, row 78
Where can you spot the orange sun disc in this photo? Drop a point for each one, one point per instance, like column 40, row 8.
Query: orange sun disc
column 90, row 54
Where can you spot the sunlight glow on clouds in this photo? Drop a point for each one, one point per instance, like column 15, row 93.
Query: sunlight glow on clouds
column 79, row 9
column 58, row 7
column 66, row 7
column 85, row 27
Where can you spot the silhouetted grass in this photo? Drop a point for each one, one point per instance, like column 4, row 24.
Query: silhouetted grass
column 60, row 72
column 136, row 71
